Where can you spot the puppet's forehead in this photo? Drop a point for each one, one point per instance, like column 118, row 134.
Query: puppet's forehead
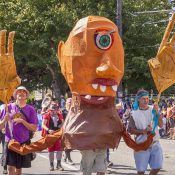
column 92, row 23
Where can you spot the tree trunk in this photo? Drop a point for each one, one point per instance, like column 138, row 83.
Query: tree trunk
column 55, row 83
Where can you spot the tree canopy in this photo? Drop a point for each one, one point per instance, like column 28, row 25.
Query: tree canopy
column 142, row 34
column 41, row 24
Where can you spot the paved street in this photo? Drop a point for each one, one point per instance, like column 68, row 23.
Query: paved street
column 122, row 159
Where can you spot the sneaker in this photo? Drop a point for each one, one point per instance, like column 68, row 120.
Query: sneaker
column 108, row 172
column 70, row 162
column 60, row 168
column 110, row 164
column 5, row 172
column 52, row 168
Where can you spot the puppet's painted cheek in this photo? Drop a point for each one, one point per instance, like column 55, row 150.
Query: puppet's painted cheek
column 103, row 41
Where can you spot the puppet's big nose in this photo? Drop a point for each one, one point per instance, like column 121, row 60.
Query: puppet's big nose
column 107, row 69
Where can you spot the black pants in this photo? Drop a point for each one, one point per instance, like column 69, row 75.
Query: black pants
column 2, row 140
column 67, row 154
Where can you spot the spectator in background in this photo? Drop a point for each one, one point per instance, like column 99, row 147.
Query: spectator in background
column 120, row 109
column 46, row 103
column 163, row 130
column 68, row 103
column 62, row 102
column 52, row 121
column 40, row 119
column 67, row 157
column 169, row 113
column 171, row 118
column 66, row 107
column 126, row 115
column 109, row 163
column 2, row 140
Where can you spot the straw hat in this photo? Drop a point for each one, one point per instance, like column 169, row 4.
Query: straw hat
column 20, row 88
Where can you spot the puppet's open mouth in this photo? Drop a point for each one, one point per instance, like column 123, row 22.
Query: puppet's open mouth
column 103, row 83
column 94, row 99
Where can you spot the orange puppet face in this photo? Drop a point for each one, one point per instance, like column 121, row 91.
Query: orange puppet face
column 92, row 59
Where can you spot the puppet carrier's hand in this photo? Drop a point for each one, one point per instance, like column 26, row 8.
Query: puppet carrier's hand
column 9, row 79
column 163, row 66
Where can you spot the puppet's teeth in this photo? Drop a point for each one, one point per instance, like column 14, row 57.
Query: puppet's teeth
column 101, row 98
column 103, row 68
column 95, row 86
column 114, row 88
column 88, row 97
column 102, row 88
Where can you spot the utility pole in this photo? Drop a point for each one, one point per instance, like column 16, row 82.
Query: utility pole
column 119, row 16
column 119, row 25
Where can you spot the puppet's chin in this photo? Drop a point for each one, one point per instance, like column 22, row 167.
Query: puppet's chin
column 94, row 99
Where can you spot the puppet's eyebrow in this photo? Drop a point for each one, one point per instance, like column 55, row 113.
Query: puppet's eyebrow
column 106, row 32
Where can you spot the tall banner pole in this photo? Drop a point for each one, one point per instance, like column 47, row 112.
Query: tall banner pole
column 119, row 25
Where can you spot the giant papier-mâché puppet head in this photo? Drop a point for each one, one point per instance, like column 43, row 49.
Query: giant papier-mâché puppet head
column 92, row 59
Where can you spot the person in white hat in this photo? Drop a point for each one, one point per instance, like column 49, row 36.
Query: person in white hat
column 23, row 119
column 21, row 89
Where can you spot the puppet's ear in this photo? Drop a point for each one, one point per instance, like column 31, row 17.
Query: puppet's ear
column 60, row 50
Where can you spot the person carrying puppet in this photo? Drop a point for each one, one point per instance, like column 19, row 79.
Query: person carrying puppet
column 92, row 61
column 145, row 119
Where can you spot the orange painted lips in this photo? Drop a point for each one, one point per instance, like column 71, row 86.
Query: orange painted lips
column 104, row 81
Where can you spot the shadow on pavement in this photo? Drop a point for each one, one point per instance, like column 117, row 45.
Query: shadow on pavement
column 60, row 173
column 122, row 167
column 112, row 170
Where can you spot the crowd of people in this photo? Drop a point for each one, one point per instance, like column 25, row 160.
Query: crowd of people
column 52, row 117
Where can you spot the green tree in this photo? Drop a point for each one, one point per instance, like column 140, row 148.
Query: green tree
column 142, row 34
column 41, row 24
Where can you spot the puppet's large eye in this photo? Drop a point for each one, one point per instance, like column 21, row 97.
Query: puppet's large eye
column 103, row 41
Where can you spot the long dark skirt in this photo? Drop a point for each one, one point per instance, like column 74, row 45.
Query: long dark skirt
column 12, row 158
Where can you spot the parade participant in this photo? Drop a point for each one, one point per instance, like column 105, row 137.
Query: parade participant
column 146, row 119
column 2, row 140
column 52, row 121
column 23, row 119
column 46, row 103
column 62, row 102
column 109, row 163
column 67, row 157
column 171, row 121
column 40, row 120
column 92, row 61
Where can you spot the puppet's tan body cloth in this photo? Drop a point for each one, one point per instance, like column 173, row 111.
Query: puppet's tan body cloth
column 94, row 126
